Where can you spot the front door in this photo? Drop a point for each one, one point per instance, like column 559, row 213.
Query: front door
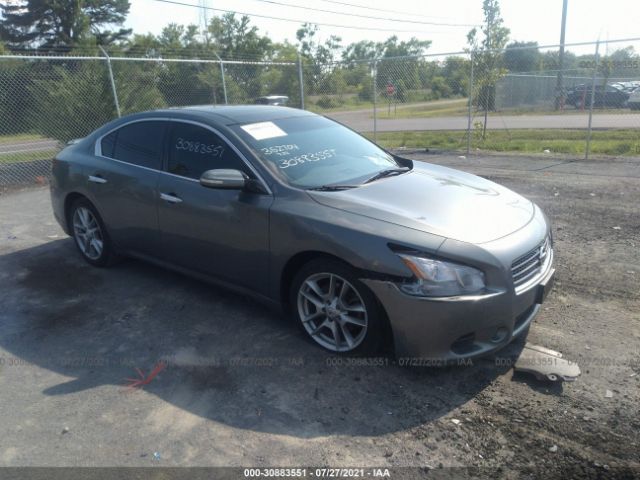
column 222, row 233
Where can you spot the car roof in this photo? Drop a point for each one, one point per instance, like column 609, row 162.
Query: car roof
column 236, row 114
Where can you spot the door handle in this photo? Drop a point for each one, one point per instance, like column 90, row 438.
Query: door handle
column 97, row 179
column 170, row 197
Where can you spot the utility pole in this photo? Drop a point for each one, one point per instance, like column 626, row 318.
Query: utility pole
column 204, row 20
column 560, row 80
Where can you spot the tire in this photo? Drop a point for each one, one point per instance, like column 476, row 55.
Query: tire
column 349, row 312
column 90, row 234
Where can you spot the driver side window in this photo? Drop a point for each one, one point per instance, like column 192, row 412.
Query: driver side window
column 194, row 150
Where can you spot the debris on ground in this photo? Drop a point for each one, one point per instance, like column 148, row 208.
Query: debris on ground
column 455, row 421
column 608, row 394
column 553, row 448
column 546, row 364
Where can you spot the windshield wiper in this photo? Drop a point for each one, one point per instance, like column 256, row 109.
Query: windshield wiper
column 387, row 173
column 332, row 188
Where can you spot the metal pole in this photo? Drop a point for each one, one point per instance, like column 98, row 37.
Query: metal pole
column 375, row 101
column 593, row 94
column 470, row 110
column 301, row 81
column 560, row 80
column 224, row 83
column 113, row 83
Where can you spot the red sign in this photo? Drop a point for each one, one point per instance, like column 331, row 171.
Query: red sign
column 390, row 89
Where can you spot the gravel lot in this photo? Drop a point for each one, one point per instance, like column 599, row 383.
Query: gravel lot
column 242, row 387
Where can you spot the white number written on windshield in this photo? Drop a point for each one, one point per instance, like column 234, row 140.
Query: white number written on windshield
column 280, row 150
column 307, row 157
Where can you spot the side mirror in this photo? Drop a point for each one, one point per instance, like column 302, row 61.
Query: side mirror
column 228, row 179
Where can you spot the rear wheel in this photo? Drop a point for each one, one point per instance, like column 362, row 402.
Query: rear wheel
column 335, row 309
column 90, row 234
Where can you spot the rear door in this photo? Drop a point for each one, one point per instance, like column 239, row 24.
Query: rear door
column 124, row 181
column 223, row 233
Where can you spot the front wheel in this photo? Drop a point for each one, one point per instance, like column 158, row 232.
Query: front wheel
column 335, row 309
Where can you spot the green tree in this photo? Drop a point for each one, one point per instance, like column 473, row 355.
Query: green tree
column 413, row 47
column 486, row 47
column 319, row 58
column 550, row 60
column 361, row 51
column 54, row 24
column 522, row 57
column 456, row 70
column 235, row 38
column 625, row 62
column 75, row 98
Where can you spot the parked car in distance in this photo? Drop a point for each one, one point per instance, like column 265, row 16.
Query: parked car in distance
column 604, row 96
column 634, row 99
column 362, row 247
column 278, row 100
column 628, row 86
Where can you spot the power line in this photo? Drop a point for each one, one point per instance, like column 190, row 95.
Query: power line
column 395, row 30
column 381, row 9
column 273, row 2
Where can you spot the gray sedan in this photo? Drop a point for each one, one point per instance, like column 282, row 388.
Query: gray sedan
column 361, row 247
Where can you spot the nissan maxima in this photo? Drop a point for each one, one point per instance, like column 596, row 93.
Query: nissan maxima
column 363, row 248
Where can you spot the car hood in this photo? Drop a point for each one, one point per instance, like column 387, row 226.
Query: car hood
column 437, row 200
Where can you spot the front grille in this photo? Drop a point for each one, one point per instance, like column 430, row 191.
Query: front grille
column 529, row 265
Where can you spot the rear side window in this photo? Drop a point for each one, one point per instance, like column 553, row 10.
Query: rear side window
column 194, row 150
column 108, row 144
column 138, row 143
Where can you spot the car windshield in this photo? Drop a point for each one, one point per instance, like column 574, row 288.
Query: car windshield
column 311, row 152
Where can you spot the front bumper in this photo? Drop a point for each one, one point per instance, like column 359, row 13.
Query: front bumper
column 458, row 328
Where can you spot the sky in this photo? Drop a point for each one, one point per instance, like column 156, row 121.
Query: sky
column 537, row 20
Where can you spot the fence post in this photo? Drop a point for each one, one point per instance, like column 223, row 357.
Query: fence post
column 374, row 76
column 470, row 108
column 113, row 83
column 301, row 81
column 593, row 94
column 224, row 83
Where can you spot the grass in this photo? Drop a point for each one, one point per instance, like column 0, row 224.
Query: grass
column 571, row 142
column 27, row 156
column 438, row 108
column 349, row 104
column 414, row 109
column 459, row 107
column 624, row 142
column 20, row 137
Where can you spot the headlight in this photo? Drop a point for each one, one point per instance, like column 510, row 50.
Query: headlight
column 437, row 278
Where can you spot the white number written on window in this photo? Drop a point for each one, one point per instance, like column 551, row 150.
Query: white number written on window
column 199, row 147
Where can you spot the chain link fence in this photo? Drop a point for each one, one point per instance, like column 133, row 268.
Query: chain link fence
column 47, row 101
column 448, row 103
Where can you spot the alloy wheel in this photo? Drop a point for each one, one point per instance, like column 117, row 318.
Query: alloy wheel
column 332, row 312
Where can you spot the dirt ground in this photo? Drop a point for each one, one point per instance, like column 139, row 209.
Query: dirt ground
column 242, row 387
